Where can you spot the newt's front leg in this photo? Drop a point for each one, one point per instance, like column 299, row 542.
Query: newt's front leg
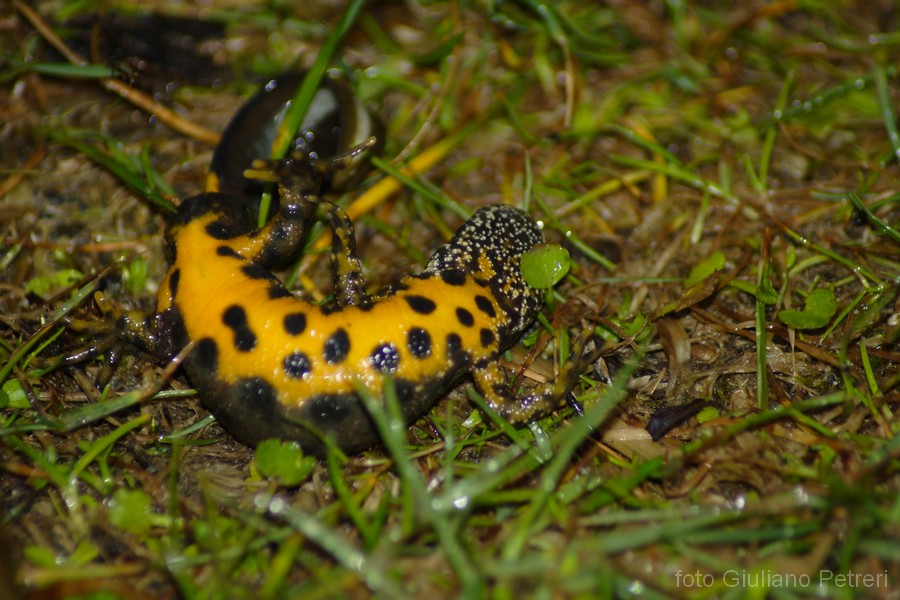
column 299, row 180
column 349, row 283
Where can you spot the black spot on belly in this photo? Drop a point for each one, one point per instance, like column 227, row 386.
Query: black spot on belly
column 174, row 279
column 385, row 358
column 421, row 304
column 328, row 309
column 217, row 231
column 465, row 317
column 454, row 347
column 276, row 291
column 257, row 272
column 397, row 287
column 295, row 323
column 487, row 337
column 502, row 390
column 227, row 251
column 336, row 347
column 235, row 318
column 453, row 277
column 206, row 355
column 485, row 306
column 297, row 365
column 419, row 342
column 220, row 230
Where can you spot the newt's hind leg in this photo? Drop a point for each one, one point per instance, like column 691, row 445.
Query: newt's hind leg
column 116, row 333
column 491, row 381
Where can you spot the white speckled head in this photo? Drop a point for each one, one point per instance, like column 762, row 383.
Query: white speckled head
column 489, row 247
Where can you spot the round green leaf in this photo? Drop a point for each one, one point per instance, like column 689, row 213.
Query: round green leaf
column 283, row 461
column 131, row 510
column 545, row 265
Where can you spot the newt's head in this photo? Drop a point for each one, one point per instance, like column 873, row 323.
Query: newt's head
column 489, row 247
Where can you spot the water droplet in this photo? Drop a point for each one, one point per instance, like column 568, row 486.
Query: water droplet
column 461, row 502
column 276, row 505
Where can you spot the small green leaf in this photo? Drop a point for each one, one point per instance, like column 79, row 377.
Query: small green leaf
column 85, row 552
column 12, row 394
column 131, row 510
column 790, row 256
column 707, row 413
column 57, row 280
column 765, row 293
column 40, row 556
column 82, row 554
column 283, row 461
column 545, row 265
column 820, row 307
column 135, row 275
column 634, row 325
column 628, row 327
column 706, row 267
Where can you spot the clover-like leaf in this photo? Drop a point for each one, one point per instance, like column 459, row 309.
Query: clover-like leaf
column 283, row 461
column 820, row 306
